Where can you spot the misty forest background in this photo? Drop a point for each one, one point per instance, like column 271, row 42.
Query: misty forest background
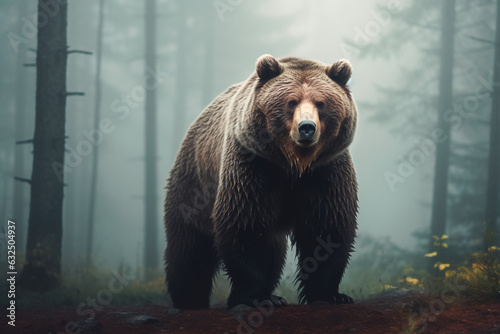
column 419, row 67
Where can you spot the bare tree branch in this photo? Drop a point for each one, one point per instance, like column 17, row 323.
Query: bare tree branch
column 27, row 141
column 22, row 179
column 479, row 39
column 79, row 51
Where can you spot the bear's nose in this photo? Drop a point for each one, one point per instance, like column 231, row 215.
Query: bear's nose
column 307, row 129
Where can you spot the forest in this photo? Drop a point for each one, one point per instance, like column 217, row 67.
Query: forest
column 96, row 97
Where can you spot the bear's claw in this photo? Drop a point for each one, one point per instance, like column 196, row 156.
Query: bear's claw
column 341, row 298
column 278, row 301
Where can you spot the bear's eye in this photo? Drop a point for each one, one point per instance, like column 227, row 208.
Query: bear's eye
column 292, row 104
column 320, row 105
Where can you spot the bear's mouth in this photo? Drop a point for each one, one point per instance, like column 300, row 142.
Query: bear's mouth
column 306, row 142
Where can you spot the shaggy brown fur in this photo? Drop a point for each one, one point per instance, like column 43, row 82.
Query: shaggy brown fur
column 243, row 181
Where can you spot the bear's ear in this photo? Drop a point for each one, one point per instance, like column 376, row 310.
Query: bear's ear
column 268, row 67
column 340, row 72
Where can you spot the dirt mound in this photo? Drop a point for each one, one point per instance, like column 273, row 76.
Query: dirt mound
column 385, row 315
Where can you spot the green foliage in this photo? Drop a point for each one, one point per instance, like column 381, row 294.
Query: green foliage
column 480, row 275
column 87, row 282
column 376, row 266
column 380, row 271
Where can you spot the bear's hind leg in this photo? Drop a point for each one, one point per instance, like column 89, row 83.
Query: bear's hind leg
column 191, row 263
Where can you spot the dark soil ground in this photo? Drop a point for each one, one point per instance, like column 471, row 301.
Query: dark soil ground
column 408, row 314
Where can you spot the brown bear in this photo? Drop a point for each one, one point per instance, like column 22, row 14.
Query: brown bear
column 265, row 160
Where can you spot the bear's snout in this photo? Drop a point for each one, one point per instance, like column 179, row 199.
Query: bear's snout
column 306, row 131
column 305, row 125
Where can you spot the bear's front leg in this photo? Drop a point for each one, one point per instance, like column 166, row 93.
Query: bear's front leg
column 323, row 259
column 254, row 261
column 325, row 232
column 247, row 206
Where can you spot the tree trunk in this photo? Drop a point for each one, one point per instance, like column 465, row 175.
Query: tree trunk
column 95, row 152
column 440, row 192
column 73, row 221
column 19, row 200
column 494, row 149
column 151, row 256
column 69, row 246
column 43, row 254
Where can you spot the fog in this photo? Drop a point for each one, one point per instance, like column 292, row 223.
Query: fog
column 218, row 46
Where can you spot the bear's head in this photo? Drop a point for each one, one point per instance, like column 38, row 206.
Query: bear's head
column 307, row 108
